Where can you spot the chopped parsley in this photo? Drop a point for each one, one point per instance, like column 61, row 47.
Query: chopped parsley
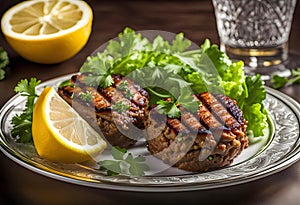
column 120, row 107
column 124, row 87
column 86, row 97
column 180, row 137
column 210, row 157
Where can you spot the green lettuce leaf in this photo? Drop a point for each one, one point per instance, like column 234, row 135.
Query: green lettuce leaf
column 164, row 67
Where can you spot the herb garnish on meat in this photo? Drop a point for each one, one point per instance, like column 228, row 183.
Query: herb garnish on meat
column 170, row 70
column 120, row 107
column 87, row 96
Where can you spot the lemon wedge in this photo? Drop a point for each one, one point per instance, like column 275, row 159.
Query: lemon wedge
column 60, row 134
column 47, row 31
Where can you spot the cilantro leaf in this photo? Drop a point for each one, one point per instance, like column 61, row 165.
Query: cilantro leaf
column 93, row 80
column 163, row 67
column 137, row 168
column 22, row 122
column 4, row 61
column 98, row 68
column 168, row 108
column 106, row 81
column 112, row 167
column 124, row 163
column 99, row 64
column 281, row 81
column 129, row 41
column 103, row 81
column 118, row 152
column 27, row 88
column 187, row 101
column 295, row 76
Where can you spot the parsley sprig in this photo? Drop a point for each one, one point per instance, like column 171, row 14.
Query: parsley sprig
column 22, row 122
column 164, row 67
column 98, row 68
column 185, row 100
column 124, row 163
column 280, row 81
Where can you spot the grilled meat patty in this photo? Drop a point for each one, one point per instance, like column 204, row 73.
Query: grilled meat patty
column 119, row 111
column 206, row 140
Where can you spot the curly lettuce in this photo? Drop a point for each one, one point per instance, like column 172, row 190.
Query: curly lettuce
column 178, row 66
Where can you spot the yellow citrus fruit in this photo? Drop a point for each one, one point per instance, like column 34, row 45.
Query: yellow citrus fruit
column 60, row 134
column 48, row 31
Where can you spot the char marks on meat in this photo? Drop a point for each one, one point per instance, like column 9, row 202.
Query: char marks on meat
column 206, row 140
column 119, row 128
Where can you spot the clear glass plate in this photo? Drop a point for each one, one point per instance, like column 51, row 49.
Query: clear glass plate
column 280, row 149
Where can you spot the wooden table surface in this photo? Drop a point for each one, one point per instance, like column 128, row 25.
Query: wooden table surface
column 196, row 19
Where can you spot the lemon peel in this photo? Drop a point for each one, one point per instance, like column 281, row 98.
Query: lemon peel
column 60, row 134
column 48, row 31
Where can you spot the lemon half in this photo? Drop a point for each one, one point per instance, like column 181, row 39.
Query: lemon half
column 48, row 31
column 60, row 134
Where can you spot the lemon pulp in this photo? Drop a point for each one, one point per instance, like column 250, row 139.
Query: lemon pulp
column 59, row 132
column 48, row 31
